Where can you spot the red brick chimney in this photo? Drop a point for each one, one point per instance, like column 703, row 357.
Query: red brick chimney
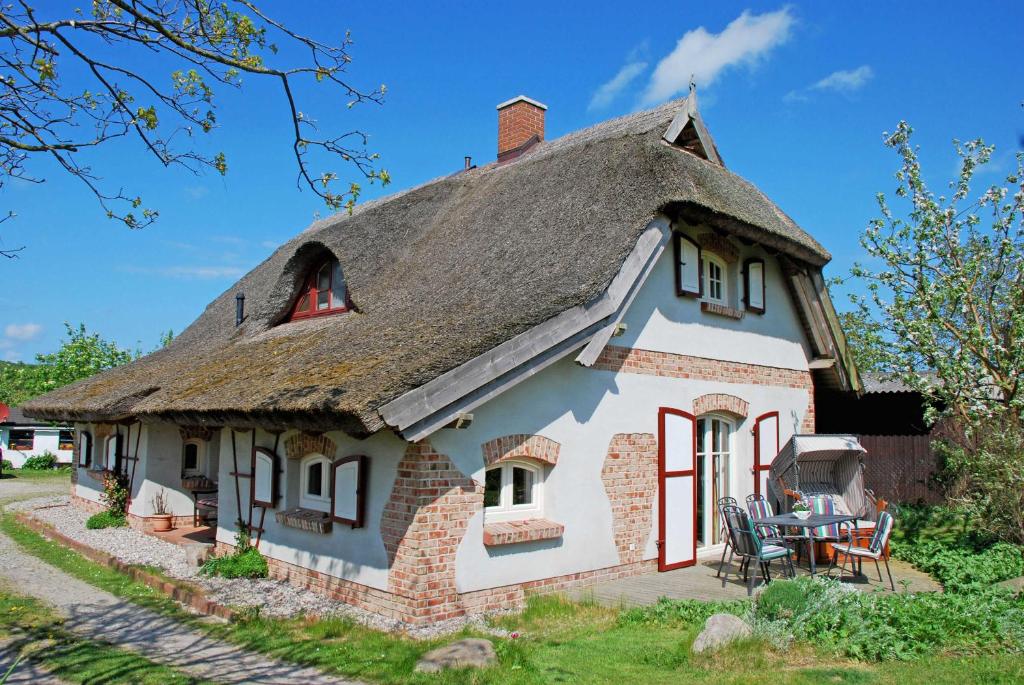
column 520, row 124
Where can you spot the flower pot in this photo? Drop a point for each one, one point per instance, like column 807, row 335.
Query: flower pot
column 161, row 523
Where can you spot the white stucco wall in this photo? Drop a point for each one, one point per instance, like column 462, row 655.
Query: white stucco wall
column 46, row 439
column 658, row 320
column 355, row 554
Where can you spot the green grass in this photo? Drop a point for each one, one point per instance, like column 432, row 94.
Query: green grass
column 29, row 474
column 560, row 642
column 37, row 632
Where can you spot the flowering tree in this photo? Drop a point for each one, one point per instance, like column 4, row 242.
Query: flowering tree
column 73, row 80
column 944, row 309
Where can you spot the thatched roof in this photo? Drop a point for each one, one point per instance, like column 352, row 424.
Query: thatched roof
column 440, row 274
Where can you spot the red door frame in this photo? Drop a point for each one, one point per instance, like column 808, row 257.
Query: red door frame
column 663, row 474
column 758, row 467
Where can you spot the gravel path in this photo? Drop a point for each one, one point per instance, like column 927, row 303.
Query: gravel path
column 12, row 489
column 273, row 598
column 95, row 614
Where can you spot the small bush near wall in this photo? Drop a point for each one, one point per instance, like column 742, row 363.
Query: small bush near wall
column 41, row 462
column 6, row 465
column 106, row 519
column 246, row 562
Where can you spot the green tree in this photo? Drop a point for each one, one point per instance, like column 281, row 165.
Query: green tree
column 83, row 354
column 72, row 80
column 945, row 286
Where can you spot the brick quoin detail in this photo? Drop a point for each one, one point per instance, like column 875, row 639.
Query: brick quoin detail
column 630, row 478
column 720, row 402
column 666, row 364
column 422, row 525
column 518, row 446
column 301, row 444
column 719, row 245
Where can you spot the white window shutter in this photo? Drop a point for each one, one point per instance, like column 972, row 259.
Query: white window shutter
column 347, row 490
column 688, row 268
column 755, row 298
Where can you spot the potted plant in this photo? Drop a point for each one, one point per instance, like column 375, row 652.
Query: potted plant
column 161, row 517
column 801, row 509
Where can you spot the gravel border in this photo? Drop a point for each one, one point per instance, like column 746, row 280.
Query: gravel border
column 272, row 598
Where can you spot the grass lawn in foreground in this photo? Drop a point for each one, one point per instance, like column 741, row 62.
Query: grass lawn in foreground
column 35, row 630
column 33, row 474
column 561, row 642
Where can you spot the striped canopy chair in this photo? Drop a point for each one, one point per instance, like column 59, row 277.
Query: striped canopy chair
column 724, row 531
column 874, row 550
column 750, row 546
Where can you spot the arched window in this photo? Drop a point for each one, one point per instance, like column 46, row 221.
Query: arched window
column 315, row 483
column 714, row 464
column 513, row 490
column 716, row 280
column 323, row 292
column 193, row 458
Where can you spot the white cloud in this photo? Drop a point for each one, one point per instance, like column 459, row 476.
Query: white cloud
column 705, row 55
column 187, row 272
column 846, row 81
column 12, row 356
column 196, row 192
column 23, row 331
column 634, row 66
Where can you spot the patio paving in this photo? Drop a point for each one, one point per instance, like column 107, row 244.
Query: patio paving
column 699, row 582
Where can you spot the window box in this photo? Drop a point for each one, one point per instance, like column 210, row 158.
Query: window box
column 305, row 519
column 721, row 310
column 513, row 532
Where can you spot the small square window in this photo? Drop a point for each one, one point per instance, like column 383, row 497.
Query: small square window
column 512, row 490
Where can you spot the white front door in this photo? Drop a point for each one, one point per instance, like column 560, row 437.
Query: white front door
column 677, row 492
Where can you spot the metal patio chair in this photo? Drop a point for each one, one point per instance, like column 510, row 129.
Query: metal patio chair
column 723, row 532
column 750, row 547
column 874, row 550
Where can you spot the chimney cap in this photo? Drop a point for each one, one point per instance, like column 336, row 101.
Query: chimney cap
column 521, row 98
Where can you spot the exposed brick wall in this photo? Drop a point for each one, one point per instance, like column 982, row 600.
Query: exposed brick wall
column 528, row 530
column 630, row 478
column 422, row 525
column 720, row 245
column 196, row 433
column 517, row 123
column 100, row 431
column 512, row 446
column 301, row 444
column 140, row 523
column 648, row 362
column 720, row 402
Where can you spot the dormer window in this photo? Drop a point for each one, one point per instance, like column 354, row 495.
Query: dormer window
column 716, row 282
column 323, row 292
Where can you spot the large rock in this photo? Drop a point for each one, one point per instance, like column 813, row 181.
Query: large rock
column 720, row 630
column 468, row 653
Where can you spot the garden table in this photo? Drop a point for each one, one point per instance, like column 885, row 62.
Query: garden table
column 812, row 521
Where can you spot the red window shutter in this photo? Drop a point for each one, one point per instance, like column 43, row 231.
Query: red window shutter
column 766, row 448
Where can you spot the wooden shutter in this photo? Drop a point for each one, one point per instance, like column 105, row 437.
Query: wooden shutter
column 85, row 449
column 689, row 281
column 677, row 491
column 766, row 447
column 266, row 477
column 348, row 489
column 753, row 285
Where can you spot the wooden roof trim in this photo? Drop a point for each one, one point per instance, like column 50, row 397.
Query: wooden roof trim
column 421, row 411
column 688, row 115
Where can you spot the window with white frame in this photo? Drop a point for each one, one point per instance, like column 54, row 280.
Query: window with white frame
column 716, row 280
column 193, row 458
column 315, row 482
column 110, row 455
column 513, row 490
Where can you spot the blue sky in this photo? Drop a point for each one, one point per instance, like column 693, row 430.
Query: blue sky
column 797, row 97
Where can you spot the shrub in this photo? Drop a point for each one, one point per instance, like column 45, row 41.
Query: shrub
column 106, row 519
column 883, row 626
column 682, row 611
column 115, row 493
column 781, row 601
column 962, row 568
column 246, row 563
column 41, row 462
column 6, row 465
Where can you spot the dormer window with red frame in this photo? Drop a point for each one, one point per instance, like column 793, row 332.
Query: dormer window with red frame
column 322, row 293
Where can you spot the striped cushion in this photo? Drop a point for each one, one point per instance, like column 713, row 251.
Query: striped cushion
column 823, row 504
column 856, row 551
column 882, row 530
column 774, row 552
column 761, row 509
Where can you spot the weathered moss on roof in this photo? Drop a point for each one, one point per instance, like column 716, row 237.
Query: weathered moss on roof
column 439, row 274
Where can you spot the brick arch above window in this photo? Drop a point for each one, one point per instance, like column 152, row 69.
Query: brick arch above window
column 519, row 447
column 722, row 403
column 719, row 245
column 196, row 433
column 301, row 444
